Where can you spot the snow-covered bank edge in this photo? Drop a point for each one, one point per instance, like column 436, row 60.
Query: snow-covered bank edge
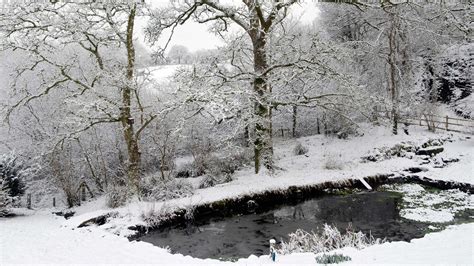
column 302, row 172
column 40, row 239
column 259, row 201
column 454, row 245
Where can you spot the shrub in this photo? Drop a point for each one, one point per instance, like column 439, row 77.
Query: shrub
column 329, row 239
column 190, row 210
column 212, row 180
column 208, row 181
column 219, row 166
column 192, row 169
column 153, row 216
column 116, row 196
column 223, row 164
column 332, row 258
column 339, row 126
column 156, row 189
column 5, row 200
column 299, row 149
column 14, row 173
column 333, row 162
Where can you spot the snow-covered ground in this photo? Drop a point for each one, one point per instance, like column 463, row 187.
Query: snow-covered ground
column 302, row 170
column 454, row 246
column 43, row 238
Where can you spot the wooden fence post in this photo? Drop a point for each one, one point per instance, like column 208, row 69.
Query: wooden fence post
column 83, row 193
column 447, row 123
column 317, row 124
column 28, row 201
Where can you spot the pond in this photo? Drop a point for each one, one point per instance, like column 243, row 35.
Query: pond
column 376, row 213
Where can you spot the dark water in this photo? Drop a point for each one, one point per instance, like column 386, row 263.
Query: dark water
column 240, row 236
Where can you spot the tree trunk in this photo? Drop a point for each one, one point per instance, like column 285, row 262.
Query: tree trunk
column 263, row 148
column 134, row 156
column 317, row 124
column 295, row 116
column 246, row 136
column 393, row 74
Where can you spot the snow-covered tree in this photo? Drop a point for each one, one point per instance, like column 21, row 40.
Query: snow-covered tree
column 5, row 200
column 257, row 19
column 84, row 54
column 256, row 58
column 14, row 174
column 178, row 54
column 392, row 44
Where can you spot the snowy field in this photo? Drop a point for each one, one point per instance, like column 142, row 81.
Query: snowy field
column 41, row 237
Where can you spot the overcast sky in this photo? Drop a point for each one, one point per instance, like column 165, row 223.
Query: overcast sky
column 196, row 36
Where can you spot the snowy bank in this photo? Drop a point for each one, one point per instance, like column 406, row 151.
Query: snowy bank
column 41, row 238
column 304, row 170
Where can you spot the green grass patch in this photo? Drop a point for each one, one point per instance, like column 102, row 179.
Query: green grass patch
column 332, row 258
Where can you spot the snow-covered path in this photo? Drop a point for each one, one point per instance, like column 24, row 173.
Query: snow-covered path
column 41, row 238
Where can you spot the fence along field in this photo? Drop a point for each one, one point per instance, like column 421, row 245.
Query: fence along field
column 447, row 123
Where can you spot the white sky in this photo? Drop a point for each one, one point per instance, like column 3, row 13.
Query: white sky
column 196, row 36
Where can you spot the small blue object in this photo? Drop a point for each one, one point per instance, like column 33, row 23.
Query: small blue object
column 273, row 256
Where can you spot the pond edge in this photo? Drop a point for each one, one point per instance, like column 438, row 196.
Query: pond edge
column 269, row 199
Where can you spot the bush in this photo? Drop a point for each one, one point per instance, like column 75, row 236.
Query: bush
column 189, row 170
column 5, row 200
column 153, row 216
column 116, row 196
column 332, row 258
column 208, row 181
column 14, row 174
column 329, row 239
column 218, row 166
column 222, row 165
column 155, row 189
column 404, row 149
column 339, row 126
column 211, row 180
column 299, row 149
column 333, row 162
column 219, row 170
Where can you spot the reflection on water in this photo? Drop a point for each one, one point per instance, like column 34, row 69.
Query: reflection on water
column 240, row 236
